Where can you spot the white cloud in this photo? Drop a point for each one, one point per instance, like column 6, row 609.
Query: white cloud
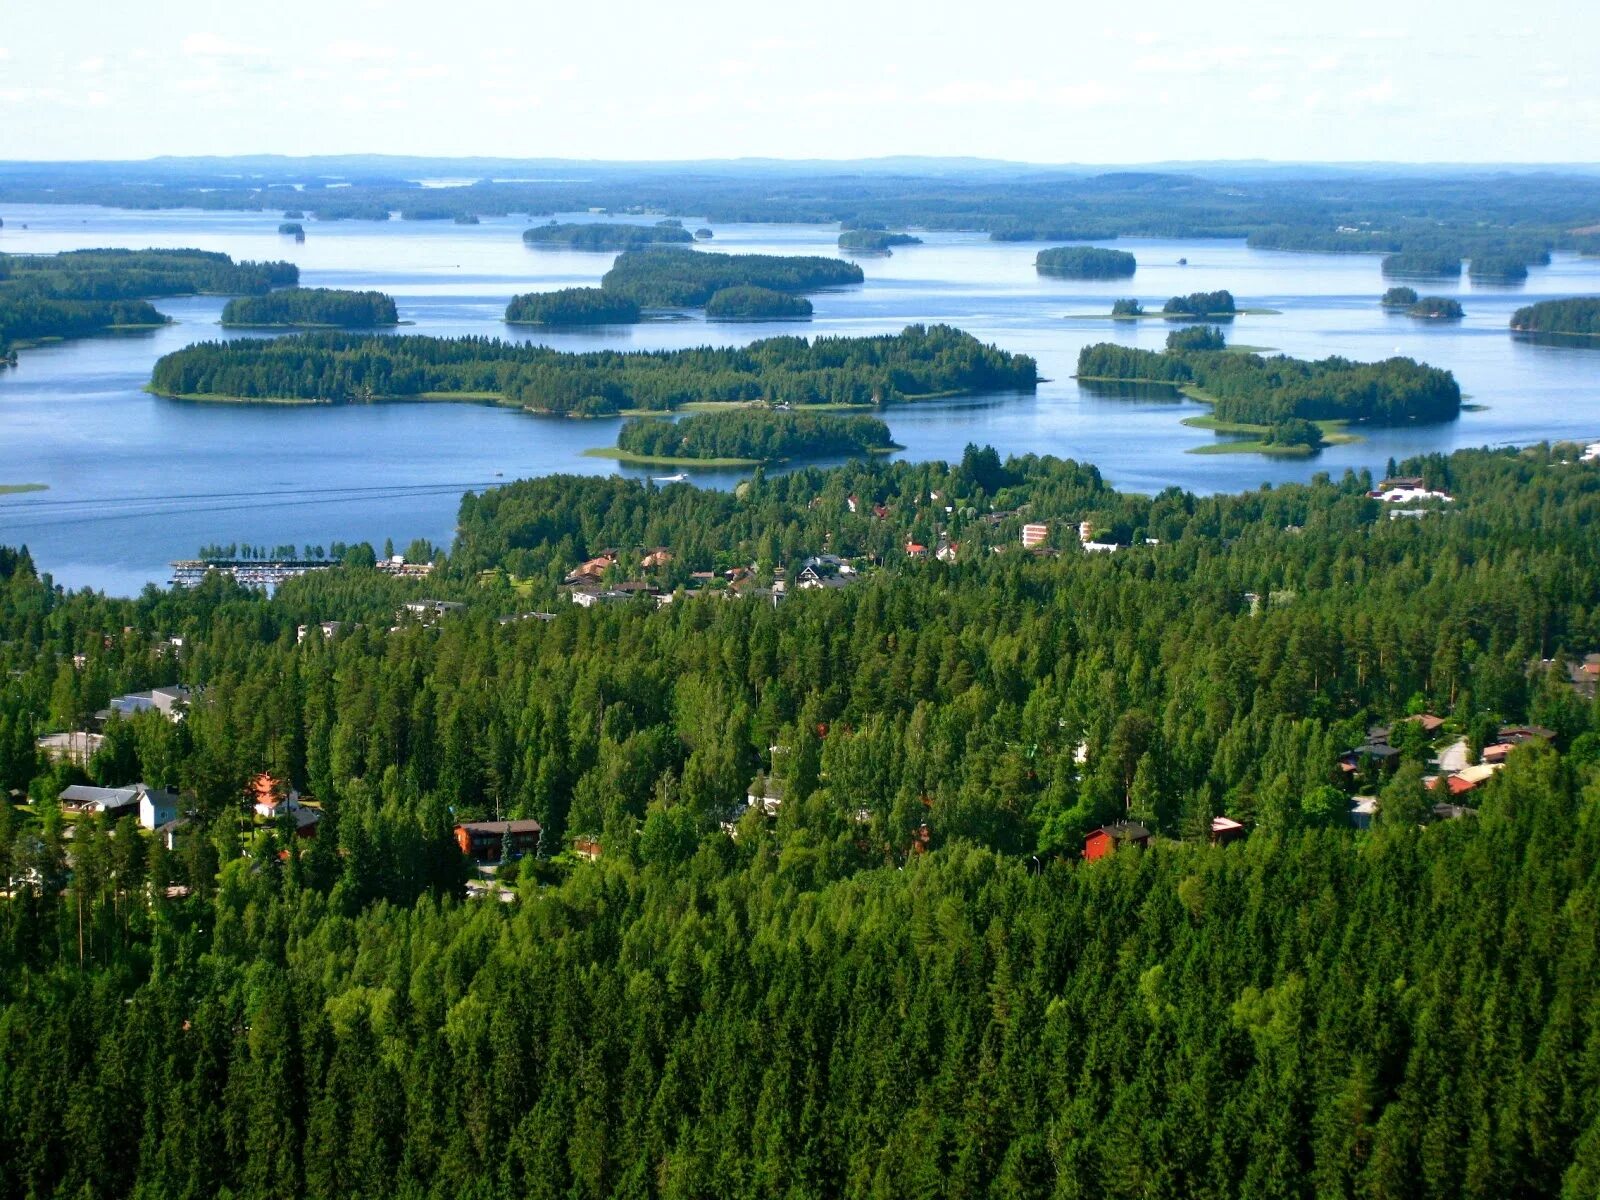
column 212, row 45
column 92, row 65
column 1381, row 92
column 1266, row 93
column 351, row 51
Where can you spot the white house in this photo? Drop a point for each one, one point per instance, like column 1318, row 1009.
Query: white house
column 156, row 808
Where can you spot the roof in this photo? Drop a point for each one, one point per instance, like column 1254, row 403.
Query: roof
column 1225, row 825
column 1123, row 831
column 1375, row 750
column 83, row 793
column 1428, row 721
column 499, row 828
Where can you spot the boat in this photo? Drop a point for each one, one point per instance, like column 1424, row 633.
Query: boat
column 680, row 477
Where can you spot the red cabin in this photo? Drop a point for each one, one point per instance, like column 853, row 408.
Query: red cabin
column 1101, row 842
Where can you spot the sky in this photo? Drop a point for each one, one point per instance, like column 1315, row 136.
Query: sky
column 1057, row 81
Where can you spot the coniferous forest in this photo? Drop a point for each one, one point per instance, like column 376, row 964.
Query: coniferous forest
column 352, row 368
column 900, row 977
column 309, row 307
column 83, row 292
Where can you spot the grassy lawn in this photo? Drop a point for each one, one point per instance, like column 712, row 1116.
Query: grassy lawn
column 1334, row 433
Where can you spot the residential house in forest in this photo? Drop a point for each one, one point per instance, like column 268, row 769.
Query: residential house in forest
column 1100, row 842
column 488, row 841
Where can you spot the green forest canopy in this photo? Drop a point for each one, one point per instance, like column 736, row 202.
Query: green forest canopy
column 754, row 435
column 81, row 292
column 669, row 277
column 300, row 306
column 755, row 303
column 605, row 235
column 572, row 306
column 1316, row 1012
column 1085, row 262
column 1257, row 390
column 344, row 368
column 1578, row 315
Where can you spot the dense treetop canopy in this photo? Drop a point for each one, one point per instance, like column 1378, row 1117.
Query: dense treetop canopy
column 344, row 368
column 298, row 306
column 1313, row 1012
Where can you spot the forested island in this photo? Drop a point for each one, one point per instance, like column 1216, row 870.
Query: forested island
column 747, row 437
column 874, row 241
column 1399, row 297
column 1201, row 304
column 292, row 229
column 1436, row 308
column 1497, row 268
column 703, row 234
column 756, row 304
column 83, row 292
column 668, row 277
column 1249, row 389
column 330, row 368
column 1423, row 264
column 604, row 235
column 908, row 981
column 1579, row 316
column 310, row 308
column 1085, row 262
column 572, row 306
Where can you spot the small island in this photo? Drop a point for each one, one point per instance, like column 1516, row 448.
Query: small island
column 747, row 437
column 1576, row 317
column 1196, row 337
column 310, row 308
column 1436, row 308
column 604, row 235
column 1085, row 262
column 1200, row 305
column 572, row 306
column 1197, row 306
column 674, row 277
column 1399, row 297
column 756, row 304
column 703, row 234
column 1265, row 400
column 292, row 229
column 1497, row 268
column 465, row 218
column 1422, row 264
column 874, row 241
column 294, row 214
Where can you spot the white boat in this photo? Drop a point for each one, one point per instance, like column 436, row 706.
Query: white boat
column 680, row 477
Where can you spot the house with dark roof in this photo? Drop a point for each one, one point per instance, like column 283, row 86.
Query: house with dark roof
column 486, row 841
column 1101, row 842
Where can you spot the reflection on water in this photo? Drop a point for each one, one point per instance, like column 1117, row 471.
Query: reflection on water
column 136, row 480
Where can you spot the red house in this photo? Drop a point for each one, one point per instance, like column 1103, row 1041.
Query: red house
column 483, row 841
column 1101, row 842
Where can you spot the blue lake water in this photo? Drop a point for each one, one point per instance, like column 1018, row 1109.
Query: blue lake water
column 136, row 480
